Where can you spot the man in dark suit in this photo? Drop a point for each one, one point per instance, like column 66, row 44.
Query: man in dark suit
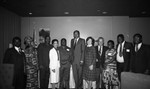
column 140, row 62
column 124, row 52
column 100, row 59
column 43, row 57
column 16, row 56
column 65, row 57
column 77, row 47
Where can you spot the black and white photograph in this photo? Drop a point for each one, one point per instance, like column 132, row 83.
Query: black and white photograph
column 75, row 44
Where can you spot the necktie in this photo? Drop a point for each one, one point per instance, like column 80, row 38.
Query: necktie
column 75, row 42
column 19, row 50
column 136, row 47
column 100, row 48
column 120, row 51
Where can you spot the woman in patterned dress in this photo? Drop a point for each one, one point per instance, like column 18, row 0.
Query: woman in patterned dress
column 110, row 76
column 31, row 65
column 89, row 66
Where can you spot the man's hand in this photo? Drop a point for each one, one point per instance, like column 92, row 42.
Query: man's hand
column 91, row 67
column 96, row 60
column 81, row 62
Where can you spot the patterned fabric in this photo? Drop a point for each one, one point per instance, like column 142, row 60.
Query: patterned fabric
column 31, row 68
column 110, row 76
column 90, row 59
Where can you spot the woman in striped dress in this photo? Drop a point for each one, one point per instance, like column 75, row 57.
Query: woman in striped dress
column 110, row 76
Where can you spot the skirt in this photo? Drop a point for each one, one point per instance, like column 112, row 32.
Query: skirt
column 54, row 76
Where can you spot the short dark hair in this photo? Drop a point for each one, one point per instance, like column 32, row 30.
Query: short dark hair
column 15, row 38
column 100, row 38
column 121, row 35
column 46, row 37
column 111, row 41
column 76, row 31
column 54, row 41
column 138, row 35
column 63, row 39
column 93, row 41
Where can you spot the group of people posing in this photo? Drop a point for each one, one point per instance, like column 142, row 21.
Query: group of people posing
column 96, row 66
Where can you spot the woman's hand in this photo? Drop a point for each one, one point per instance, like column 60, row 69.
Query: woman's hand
column 53, row 70
column 91, row 67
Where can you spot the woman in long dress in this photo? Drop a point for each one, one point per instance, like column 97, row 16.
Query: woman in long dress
column 110, row 76
column 54, row 63
column 31, row 64
column 89, row 66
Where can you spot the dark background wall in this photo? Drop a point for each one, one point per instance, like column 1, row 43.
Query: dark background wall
column 10, row 26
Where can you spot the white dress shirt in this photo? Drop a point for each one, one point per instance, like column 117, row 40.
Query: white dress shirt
column 101, row 49
column 18, row 49
column 139, row 46
column 120, row 59
column 76, row 40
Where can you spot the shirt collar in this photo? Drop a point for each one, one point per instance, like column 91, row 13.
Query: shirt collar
column 100, row 46
column 89, row 45
column 123, row 42
column 139, row 45
column 17, row 48
column 77, row 39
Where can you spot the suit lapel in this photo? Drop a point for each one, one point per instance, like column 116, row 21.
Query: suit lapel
column 78, row 41
column 141, row 48
column 97, row 49
column 16, row 51
column 72, row 43
column 103, row 50
column 124, row 47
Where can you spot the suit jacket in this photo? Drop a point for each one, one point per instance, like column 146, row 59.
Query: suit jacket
column 78, row 51
column 140, row 60
column 101, row 59
column 12, row 56
column 127, row 52
column 43, row 55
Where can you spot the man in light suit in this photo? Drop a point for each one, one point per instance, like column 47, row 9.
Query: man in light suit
column 77, row 47
column 140, row 62
column 124, row 52
column 100, row 59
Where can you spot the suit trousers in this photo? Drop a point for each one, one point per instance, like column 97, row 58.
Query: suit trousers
column 64, row 76
column 120, row 68
column 20, row 84
column 99, row 81
column 44, row 78
column 77, row 73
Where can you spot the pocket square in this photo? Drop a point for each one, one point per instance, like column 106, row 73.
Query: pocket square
column 127, row 50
